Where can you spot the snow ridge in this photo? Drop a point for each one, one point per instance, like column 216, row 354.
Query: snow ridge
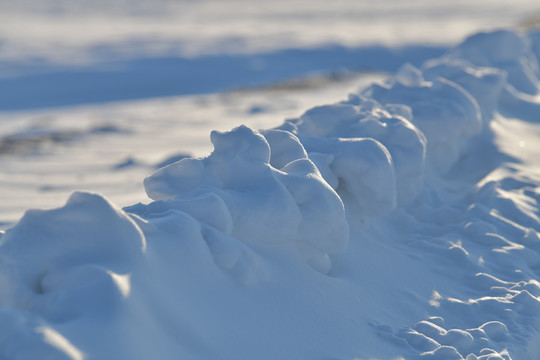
column 265, row 201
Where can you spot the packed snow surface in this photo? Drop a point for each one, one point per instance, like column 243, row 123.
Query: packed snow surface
column 400, row 222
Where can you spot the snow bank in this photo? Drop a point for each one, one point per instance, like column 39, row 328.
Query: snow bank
column 372, row 152
column 446, row 114
column 229, row 229
column 505, row 50
column 252, row 200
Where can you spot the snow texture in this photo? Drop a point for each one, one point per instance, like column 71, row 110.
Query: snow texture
column 266, row 247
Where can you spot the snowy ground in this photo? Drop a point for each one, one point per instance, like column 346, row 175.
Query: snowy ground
column 125, row 56
column 401, row 223
column 47, row 154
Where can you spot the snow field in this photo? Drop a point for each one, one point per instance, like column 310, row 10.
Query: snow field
column 97, row 148
column 399, row 222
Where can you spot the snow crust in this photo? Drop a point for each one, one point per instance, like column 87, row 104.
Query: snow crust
column 266, row 247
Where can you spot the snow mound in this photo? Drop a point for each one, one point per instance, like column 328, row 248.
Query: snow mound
column 46, row 247
column 252, row 200
column 484, row 84
column 446, row 114
column 403, row 219
column 505, row 50
column 373, row 152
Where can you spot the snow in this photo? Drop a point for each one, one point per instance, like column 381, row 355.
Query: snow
column 404, row 147
column 50, row 29
column 399, row 223
column 85, row 147
column 255, row 201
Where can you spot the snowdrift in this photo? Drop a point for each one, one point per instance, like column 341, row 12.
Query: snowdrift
column 393, row 224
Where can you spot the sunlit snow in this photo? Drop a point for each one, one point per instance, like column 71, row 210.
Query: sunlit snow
column 255, row 180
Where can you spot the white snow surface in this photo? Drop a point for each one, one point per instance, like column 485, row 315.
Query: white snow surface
column 81, row 31
column 401, row 222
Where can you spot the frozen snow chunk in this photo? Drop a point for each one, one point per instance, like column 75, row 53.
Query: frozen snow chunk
column 446, row 114
column 484, row 84
column 440, row 108
column 322, row 163
column 362, row 117
column 503, row 49
column 442, row 353
column 232, row 256
column 22, row 337
column 264, row 212
column 170, row 223
column 240, row 142
column 533, row 287
column 238, row 172
column 459, row 339
column 527, row 303
column 367, row 174
column 183, row 235
column 205, row 206
column 397, row 110
column 253, row 201
column 487, row 352
column 87, row 230
column 88, row 289
column 436, row 320
column 284, row 147
column 176, row 238
column 419, row 341
column 323, row 228
column 390, row 126
column 177, row 178
column 241, row 158
column 238, row 155
column 364, row 169
column 430, row 329
column 407, row 146
column 408, row 75
column 496, row 330
column 531, row 238
column 323, row 215
column 323, row 120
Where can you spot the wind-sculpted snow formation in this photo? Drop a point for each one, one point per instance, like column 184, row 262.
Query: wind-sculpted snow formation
column 267, row 247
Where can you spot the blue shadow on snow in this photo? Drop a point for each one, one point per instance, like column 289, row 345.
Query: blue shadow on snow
column 168, row 76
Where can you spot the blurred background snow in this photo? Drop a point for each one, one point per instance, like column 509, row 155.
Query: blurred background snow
column 58, row 52
column 71, row 32
column 95, row 94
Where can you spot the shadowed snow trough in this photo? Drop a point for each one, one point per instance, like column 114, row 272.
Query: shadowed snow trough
column 400, row 223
